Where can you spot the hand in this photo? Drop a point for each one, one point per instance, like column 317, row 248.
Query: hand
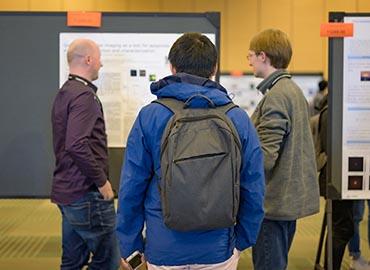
column 125, row 265
column 106, row 191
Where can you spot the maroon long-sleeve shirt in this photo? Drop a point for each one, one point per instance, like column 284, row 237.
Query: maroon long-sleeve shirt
column 80, row 141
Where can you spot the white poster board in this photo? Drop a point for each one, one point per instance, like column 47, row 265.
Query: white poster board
column 244, row 93
column 356, row 111
column 131, row 62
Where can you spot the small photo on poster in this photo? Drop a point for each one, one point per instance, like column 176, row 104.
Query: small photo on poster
column 355, row 182
column 365, row 75
column 355, row 164
column 133, row 73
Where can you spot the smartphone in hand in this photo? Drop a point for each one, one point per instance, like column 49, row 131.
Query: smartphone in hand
column 135, row 260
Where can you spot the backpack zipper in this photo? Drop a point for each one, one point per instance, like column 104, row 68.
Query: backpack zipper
column 199, row 157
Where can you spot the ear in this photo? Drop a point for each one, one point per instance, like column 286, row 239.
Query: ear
column 265, row 59
column 263, row 56
column 214, row 71
column 173, row 69
column 88, row 59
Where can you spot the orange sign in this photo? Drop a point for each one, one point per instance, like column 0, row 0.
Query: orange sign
column 84, row 19
column 336, row 30
column 236, row 73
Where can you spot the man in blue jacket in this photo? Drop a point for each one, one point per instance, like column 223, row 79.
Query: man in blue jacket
column 193, row 61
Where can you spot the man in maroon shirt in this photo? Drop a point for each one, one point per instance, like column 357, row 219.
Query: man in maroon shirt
column 81, row 188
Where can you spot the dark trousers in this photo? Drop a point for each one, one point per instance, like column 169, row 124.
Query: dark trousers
column 343, row 230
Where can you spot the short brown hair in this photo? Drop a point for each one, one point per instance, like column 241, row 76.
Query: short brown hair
column 275, row 44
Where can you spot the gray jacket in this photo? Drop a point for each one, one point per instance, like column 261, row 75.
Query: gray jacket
column 282, row 122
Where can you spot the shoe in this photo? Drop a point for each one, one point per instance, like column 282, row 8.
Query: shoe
column 359, row 264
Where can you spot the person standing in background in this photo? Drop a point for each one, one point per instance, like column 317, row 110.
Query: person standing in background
column 282, row 122
column 342, row 217
column 316, row 102
column 81, row 188
column 357, row 261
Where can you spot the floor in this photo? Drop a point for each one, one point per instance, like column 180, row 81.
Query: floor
column 30, row 238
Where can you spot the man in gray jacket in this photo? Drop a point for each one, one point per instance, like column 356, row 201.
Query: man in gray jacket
column 282, row 122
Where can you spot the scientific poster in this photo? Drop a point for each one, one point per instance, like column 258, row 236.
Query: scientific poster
column 131, row 62
column 356, row 110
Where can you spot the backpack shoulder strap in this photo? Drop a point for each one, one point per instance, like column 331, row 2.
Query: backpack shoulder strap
column 227, row 107
column 221, row 111
column 176, row 105
column 172, row 104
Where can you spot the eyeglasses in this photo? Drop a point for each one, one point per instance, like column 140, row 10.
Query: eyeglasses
column 251, row 54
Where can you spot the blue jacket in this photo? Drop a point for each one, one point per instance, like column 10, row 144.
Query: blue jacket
column 139, row 197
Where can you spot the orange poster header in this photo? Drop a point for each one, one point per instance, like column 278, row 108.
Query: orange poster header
column 336, row 30
column 84, row 19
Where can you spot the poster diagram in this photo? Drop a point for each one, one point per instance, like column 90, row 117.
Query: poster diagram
column 131, row 62
column 356, row 111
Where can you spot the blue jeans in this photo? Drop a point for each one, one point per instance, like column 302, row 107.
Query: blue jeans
column 358, row 213
column 88, row 228
column 273, row 244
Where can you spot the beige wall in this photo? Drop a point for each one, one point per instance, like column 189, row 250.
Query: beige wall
column 240, row 20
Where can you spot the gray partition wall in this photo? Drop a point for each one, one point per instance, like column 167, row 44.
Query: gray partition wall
column 29, row 72
column 334, row 184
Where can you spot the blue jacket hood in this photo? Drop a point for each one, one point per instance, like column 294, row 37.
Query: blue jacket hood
column 182, row 86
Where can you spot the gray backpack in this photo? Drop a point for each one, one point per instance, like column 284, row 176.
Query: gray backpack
column 200, row 167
